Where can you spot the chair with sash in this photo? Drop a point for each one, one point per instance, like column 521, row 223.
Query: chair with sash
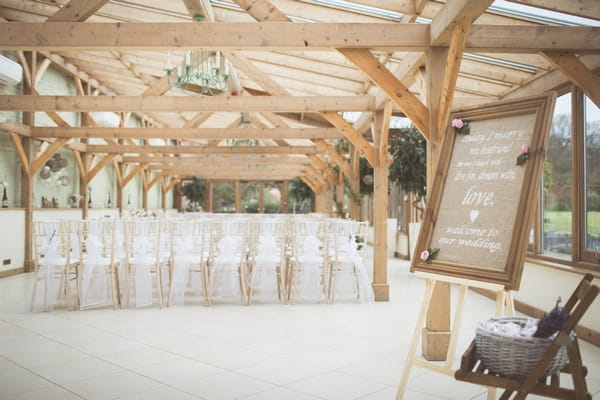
column 57, row 260
column 99, row 284
column 143, row 261
column 188, row 261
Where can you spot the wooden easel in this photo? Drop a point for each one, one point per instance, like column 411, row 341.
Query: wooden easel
column 504, row 306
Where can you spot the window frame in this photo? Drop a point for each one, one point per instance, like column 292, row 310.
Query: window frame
column 581, row 258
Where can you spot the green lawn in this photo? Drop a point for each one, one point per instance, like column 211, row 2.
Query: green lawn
column 560, row 221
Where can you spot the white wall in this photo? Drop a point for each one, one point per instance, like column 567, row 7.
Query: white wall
column 12, row 238
column 541, row 286
column 41, row 214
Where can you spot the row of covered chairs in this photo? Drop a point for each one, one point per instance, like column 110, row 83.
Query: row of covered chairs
column 142, row 261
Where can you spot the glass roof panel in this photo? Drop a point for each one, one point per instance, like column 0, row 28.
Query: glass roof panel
column 540, row 15
column 368, row 10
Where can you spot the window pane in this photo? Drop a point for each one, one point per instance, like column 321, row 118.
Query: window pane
column 272, row 198
column 249, row 197
column 592, row 175
column 224, row 197
column 557, row 194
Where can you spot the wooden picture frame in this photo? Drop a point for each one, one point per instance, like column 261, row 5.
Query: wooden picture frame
column 480, row 207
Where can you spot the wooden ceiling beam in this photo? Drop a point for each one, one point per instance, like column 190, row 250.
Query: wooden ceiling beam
column 201, row 8
column 98, row 167
column 77, row 36
column 199, row 149
column 182, row 133
column 454, row 13
column 72, row 70
column 77, row 10
column 548, row 81
column 416, row 111
column 316, row 174
column 330, row 151
column 156, row 161
column 186, row 103
column 16, row 127
column 20, row 152
column 36, row 164
column 453, row 60
column 577, row 72
column 197, row 119
column 270, row 86
column 239, row 174
column 405, row 72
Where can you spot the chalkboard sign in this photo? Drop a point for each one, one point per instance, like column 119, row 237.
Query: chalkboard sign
column 478, row 218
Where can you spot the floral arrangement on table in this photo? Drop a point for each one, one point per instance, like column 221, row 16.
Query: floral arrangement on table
column 462, row 127
column 524, row 155
column 427, row 255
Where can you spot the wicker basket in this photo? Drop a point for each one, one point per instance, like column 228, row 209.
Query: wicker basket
column 515, row 357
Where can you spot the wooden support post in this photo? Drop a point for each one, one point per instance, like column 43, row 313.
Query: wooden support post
column 28, row 118
column 380, row 206
column 319, row 206
column 120, row 191
column 238, row 197
column 163, row 198
column 144, row 199
column 380, row 129
column 177, row 196
column 339, row 195
column 209, row 198
column 436, row 334
column 27, row 200
column 84, row 193
column 328, row 201
column 284, row 198
column 261, row 198
column 355, row 184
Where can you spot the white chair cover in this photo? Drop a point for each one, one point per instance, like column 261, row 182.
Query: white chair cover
column 263, row 279
column 225, row 274
column 351, row 277
column 51, row 265
column 96, row 286
column 308, row 262
column 143, row 259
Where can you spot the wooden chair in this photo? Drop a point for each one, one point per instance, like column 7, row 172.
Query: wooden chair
column 346, row 245
column 99, row 284
column 307, row 264
column 228, row 265
column 472, row 370
column 57, row 261
column 143, row 259
column 267, row 260
column 189, row 253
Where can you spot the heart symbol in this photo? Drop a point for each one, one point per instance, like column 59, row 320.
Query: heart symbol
column 474, row 214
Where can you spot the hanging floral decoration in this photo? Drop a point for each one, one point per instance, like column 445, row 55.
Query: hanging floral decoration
column 427, row 255
column 524, row 156
column 462, row 127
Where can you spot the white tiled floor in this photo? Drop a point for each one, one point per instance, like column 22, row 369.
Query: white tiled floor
column 340, row 351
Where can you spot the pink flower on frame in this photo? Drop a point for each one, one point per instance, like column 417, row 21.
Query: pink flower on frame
column 524, row 149
column 425, row 255
column 457, row 123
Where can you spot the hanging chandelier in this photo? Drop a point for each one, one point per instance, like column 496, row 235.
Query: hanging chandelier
column 200, row 72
